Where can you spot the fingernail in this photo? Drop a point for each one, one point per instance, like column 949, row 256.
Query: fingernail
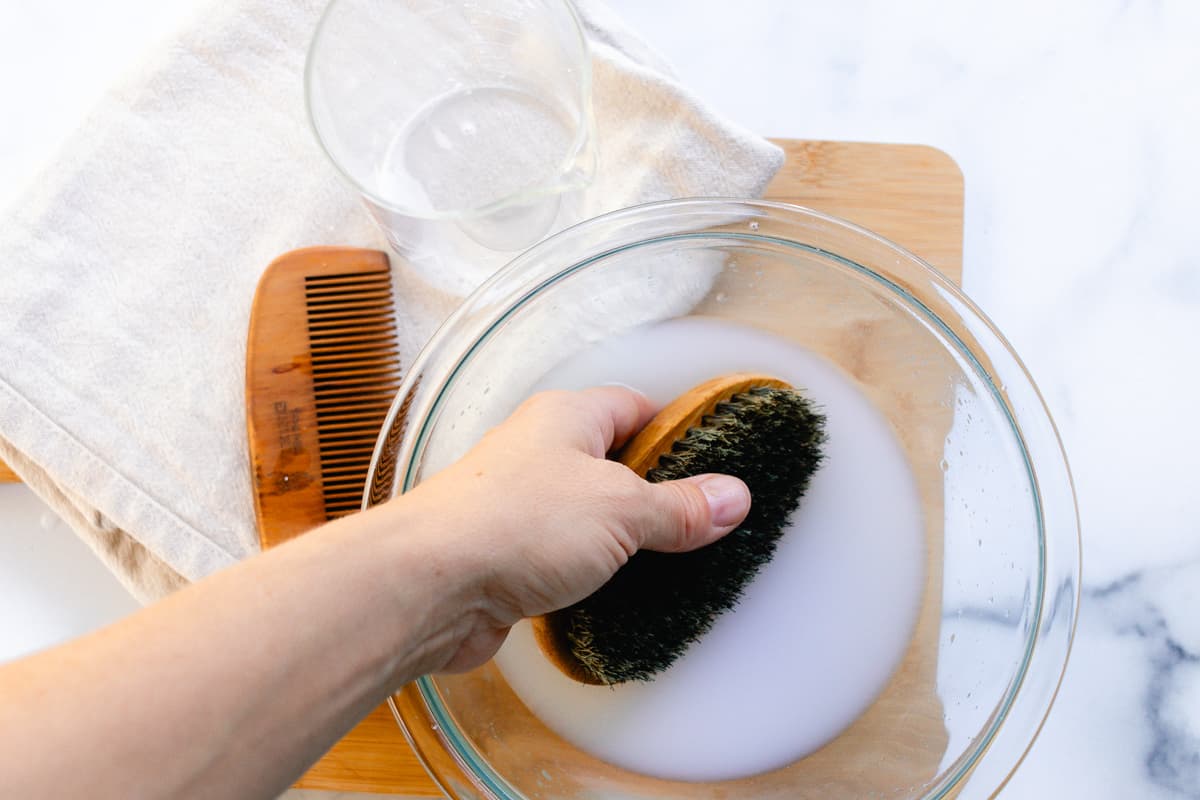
column 728, row 499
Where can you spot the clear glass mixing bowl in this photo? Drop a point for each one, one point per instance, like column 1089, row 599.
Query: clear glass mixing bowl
column 1001, row 533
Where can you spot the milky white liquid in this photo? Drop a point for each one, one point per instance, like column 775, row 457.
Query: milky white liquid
column 819, row 631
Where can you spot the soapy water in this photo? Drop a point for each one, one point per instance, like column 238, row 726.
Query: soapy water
column 819, row 631
column 474, row 147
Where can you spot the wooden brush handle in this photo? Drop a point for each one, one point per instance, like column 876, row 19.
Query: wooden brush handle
column 670, row 425
column 641, row 455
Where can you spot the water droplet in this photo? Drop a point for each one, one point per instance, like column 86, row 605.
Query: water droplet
column 953, row 636
column 753, row 226
column 945, row 465
column 721, row 297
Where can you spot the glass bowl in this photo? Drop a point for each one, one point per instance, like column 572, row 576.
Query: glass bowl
column 996, row 612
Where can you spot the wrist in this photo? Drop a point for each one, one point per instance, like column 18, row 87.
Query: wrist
column 431, row 596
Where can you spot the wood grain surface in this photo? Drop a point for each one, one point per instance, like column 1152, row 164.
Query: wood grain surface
column 910, row 194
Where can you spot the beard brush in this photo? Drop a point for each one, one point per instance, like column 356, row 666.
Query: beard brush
column 754, row 427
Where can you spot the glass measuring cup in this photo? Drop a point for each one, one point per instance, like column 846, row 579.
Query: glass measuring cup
column 465, row 126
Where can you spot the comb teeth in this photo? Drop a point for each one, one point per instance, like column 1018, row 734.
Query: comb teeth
column 356, row 373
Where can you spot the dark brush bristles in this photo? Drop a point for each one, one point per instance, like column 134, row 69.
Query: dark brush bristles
column 658, row 604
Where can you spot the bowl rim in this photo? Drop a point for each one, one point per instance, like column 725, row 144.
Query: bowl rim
column 1004, row 749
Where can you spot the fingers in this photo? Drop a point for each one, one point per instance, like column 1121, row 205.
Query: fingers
column 594, row 420
column 671, row 516
column 622, row 411
column 686, row 514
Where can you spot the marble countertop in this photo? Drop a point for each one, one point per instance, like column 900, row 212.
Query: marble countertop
column 1076, row 125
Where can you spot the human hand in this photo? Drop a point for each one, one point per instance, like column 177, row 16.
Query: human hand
column 537, row 518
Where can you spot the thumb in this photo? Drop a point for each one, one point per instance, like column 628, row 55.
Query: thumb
column 689, row 513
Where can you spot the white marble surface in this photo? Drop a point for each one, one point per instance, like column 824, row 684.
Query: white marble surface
column 1076, row 123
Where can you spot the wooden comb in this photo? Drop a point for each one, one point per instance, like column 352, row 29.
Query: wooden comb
column 322, row 368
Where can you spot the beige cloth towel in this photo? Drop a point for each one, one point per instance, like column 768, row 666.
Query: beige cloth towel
column 130, row 267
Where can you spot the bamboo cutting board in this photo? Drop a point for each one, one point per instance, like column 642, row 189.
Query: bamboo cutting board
column 910, row 194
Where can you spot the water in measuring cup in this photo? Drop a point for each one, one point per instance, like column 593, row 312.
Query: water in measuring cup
column 475, row 147
column 818, row 632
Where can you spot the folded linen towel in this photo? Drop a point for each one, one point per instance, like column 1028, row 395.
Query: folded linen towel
column 130, row 267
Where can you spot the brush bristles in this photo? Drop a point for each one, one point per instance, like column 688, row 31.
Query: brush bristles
column 355, row 371
column 658, row 604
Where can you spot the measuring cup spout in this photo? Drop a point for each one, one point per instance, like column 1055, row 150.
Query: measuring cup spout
column 579, row 172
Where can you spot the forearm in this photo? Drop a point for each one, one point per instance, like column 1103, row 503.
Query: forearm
column 233, row 686
column 230, row 688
